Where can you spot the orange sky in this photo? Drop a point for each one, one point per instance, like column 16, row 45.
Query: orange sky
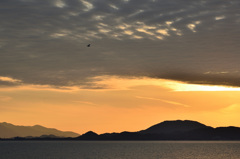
column 48, row 75
column 129, row 104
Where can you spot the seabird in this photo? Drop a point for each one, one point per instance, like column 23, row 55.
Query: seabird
column 88, row 45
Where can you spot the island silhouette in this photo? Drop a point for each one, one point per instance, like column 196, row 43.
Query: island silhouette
column 167, row 130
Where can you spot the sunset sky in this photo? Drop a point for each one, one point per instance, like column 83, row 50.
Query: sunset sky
column 149, row 61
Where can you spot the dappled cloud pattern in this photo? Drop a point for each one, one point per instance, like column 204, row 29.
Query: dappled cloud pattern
column 44, row 42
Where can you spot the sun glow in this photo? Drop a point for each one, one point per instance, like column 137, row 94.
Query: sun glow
column 195, row 87
column 91, row 108
column 114, row 82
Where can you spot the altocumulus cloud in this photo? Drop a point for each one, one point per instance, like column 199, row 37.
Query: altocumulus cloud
column 43, row 42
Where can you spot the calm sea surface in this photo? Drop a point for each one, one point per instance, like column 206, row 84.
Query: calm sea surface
column 119, row 150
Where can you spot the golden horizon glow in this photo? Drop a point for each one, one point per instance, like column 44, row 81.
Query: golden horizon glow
column 124, row 83
column 116, row 82
column 179, row 86
column 123, row 104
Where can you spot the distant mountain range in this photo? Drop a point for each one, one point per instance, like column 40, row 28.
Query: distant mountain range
column 171, row 130
column 8, row 130
column 167, row 130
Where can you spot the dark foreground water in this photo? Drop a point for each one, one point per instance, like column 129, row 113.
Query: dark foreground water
column 119, row 150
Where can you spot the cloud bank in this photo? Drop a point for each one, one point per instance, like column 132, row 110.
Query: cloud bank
column 43, row 42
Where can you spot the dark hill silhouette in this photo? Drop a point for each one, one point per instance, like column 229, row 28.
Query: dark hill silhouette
column 8, row 130
column 228, row 133
column 167, row 130
column 177, row 126
column 90, row 135
column 171, row 130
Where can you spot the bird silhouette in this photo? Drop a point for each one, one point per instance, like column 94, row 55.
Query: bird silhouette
column 88, row 45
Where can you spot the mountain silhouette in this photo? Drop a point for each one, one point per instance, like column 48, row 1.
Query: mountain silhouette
column 167, row 130
column 8, row 130
column 171, row 130
column 90, row 135
column 174, row 127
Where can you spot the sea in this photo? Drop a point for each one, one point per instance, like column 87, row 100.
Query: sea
column 119, row 149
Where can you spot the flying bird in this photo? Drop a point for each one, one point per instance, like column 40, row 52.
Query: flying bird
column 88, row 45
